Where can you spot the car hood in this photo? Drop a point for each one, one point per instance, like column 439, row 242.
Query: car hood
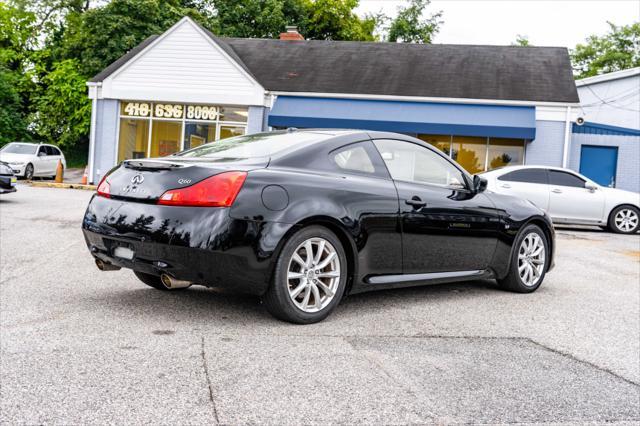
column 10, row 157
column 619, row 196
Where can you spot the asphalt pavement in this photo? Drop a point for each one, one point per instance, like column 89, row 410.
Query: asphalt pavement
column 80, row 346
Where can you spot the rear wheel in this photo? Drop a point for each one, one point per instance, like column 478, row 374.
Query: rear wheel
column 528, row 262
column 154, row 281
column 624, row 220
column 310, row 277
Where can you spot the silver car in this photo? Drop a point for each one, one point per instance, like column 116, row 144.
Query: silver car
column 569, row 197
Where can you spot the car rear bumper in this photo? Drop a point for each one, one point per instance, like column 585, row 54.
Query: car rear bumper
column 197, row 244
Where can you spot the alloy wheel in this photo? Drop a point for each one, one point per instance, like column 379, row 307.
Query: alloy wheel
column 626, row 220
column 313, row 275
column 28, row 172
column 531, row 259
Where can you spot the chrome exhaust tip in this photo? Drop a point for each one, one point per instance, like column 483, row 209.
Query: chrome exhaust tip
column 172, row 283
column 104, row 266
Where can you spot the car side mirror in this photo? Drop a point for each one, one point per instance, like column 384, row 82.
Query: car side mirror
column 42, row 154
column 479, row 183
column 590, row 188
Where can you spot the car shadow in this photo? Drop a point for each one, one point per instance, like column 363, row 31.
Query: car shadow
column 201, row 305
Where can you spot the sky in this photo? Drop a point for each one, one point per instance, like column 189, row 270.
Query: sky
column 498, row 22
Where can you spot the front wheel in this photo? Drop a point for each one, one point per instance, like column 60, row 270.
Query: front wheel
column 528, row 261
column 28, row 172
column 310, row 277
column 624, row 220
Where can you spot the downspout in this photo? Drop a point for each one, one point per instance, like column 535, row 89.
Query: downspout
column 567, row 138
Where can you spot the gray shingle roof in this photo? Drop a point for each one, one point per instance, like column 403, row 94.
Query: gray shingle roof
column 541, row 74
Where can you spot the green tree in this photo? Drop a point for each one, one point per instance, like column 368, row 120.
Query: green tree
column 12, row 119
column 64, row 110
column 17, row 44
column 411, row 25
column 521, row 40
column 262, row 19
column 617, row 50
column 336, row 20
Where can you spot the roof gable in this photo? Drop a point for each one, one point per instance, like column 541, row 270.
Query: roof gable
column 183, row 64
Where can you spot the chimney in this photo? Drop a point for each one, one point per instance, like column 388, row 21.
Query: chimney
column 291, row 34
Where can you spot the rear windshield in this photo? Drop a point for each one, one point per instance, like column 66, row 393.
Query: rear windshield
column 252, row 146
column 19, row 148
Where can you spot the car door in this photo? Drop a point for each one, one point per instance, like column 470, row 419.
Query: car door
column 446, row 227
column 54, row 157
column 42, row 166
column 531, row 184
column 572, row 200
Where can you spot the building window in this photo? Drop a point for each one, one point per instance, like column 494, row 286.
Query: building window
column 155, row 129
column 479, row 154
column 470, row 153
column 442, row 142
column 505, row 152
column 134, row 138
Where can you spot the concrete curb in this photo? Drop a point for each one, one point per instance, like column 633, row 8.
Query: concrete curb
column 63, row 185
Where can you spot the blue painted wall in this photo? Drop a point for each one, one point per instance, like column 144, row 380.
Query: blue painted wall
column 546, row 148
column 106, row 137
column 628, row 168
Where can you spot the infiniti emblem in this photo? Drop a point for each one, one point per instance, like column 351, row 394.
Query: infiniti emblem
column 137, row 179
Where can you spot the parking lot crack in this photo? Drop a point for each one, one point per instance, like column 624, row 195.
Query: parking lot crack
column 209, row 385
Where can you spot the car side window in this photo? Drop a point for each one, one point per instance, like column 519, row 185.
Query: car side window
column 355, row 159
column 414, row 163
column 42, row 151
column 560, row 178
column 53, row 150
column 526, row 175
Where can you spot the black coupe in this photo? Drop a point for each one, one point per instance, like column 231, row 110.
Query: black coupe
column 303, row 217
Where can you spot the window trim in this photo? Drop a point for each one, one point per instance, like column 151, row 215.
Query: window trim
column 465, row 175
column 584, row 182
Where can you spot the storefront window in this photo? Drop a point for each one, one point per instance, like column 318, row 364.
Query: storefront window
column 196, row 134
column 168, row 128
column 470, row 153
column 505, row 152
column 442, row 142
column 134, row 138
column 165, row 138
column 231, row 131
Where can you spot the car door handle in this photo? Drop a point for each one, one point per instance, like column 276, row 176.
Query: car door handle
column 415, row 202
column 556, row 191
column 505, row 185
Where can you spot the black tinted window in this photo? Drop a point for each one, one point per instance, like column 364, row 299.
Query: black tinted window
column 565, row 179
column 53, row 150
column 43, row 151
column 526, row 175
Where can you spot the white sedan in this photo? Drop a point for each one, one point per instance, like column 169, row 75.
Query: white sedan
column 29, row 159
column 569, row 197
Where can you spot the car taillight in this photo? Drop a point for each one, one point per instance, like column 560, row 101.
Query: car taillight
column 217, row 191
column 104, row 189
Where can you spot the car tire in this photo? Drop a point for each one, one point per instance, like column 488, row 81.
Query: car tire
column 527, row 267
column 304, row 290
column 624, row 220
column 28, row 172
column 155, row 281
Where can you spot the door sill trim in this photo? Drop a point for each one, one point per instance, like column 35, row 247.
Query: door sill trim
column 431, row 276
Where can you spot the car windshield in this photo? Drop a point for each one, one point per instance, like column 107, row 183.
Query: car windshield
column 252, row 146
column 19, row 148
